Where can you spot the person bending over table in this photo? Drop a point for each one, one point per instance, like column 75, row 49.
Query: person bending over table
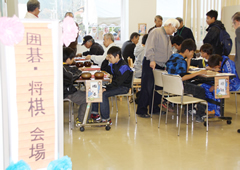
column 176, row 43
column 70, row 74
column 205, row 51
column 121, row 81
column 158, row 49
column 178, row 65
column 220, row 64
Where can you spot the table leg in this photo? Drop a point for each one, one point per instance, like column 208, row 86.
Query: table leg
column 222, row 107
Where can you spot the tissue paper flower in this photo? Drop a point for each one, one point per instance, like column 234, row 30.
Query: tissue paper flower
column 11, row 30
column 63, row 163
column 20, row 165
column 70, row 31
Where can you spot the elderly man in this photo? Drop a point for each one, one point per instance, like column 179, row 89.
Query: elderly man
column 158, row 22
column 128, row 47
column 33, row 8
column 184, row 31
column 108, row 42
column 157, row 52
column 94, row 48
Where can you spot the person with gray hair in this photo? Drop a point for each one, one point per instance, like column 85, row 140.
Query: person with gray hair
column 108, row 42
column 158, row 50
column 33, row 8
column 236, row 26
column 184, row 31
column 158, row 22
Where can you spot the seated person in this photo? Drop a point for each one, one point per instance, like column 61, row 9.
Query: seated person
column 178, row 65
column 220, row 64
column 128, row 47
column 108, row 42
column 121, row 81
column 94, row 48
column 176, row 43
column 139, row 53
column 70, row 74
column 205, row 51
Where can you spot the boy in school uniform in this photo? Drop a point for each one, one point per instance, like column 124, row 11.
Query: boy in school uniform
column 206, row 50
column 220, row 64
column 121, row 81
column 178, row 65
column 70, row 74
column 176, row 43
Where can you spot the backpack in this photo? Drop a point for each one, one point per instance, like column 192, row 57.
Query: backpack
column 225, row 40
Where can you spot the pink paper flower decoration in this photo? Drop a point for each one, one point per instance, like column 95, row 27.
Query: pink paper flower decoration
column 11, row 30
column 70, row 31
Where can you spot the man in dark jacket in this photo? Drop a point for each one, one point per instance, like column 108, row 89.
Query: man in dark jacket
column 184, row 31
column 70, row 74
column 94, row 48
column 213, row 35
column 158, row 22
column 121, row 81
column 128, row 47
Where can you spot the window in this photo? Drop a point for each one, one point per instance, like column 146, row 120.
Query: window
column 167, row 10
column 195, row 15
column 94, row 17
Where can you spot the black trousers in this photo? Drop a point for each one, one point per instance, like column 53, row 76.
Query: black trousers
column 147, row 84
column 196, row 91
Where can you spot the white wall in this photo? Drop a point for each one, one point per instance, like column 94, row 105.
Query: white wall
column 12, row 8
column 141, row 11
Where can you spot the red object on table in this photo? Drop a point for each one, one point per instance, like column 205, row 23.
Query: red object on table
column 80, row 59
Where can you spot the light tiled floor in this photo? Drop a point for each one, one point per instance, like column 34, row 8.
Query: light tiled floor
column 143, row 146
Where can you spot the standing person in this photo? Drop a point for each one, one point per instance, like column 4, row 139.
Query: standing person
column 139, row 53
column 33, row 8
column 158, row 22
column 73, row 44
column 184, row 31
column 236, row 25
column 213, row 35
column 157, row 52
column 94, row 48
column 128, row 47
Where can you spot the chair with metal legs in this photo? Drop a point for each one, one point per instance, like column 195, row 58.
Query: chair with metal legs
column 173, row 84
column 157, row 74
column 235, row 92
column 130, row 94
column 70, row 110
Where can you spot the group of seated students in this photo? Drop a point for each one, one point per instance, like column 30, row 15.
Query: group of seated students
column 179, row 63
column 120, row 84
